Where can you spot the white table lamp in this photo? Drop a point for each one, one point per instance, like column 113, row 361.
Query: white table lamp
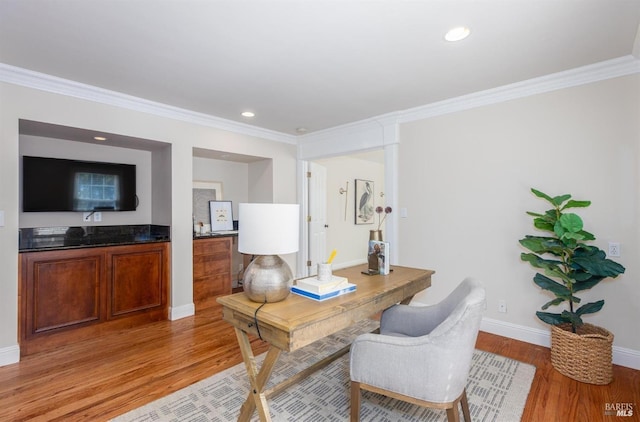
column 267, row 230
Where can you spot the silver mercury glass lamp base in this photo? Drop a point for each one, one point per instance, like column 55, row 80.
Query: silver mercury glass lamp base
column 267, row 279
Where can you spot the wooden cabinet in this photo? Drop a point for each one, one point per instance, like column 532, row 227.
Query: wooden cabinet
column 66, row 295
column 211, row 270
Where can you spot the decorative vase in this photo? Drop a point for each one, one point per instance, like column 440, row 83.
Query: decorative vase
column 585, row 356
column 375, row 235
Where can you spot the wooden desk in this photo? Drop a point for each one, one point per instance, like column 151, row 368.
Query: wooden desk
column 297, row 321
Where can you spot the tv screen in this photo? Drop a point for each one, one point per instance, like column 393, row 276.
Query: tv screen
column 54, row 184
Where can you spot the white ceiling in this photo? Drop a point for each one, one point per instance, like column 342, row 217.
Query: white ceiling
column 312, row 64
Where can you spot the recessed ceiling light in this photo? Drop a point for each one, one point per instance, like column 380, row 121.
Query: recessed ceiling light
column 301, row 130
column 248, row 114
column 457, row 34
column 99, row 138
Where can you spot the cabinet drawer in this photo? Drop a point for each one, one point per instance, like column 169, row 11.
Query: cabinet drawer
column 211, row 246
column 207, row 265
column 205, row 290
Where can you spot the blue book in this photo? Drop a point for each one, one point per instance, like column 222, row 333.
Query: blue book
column 323, row 296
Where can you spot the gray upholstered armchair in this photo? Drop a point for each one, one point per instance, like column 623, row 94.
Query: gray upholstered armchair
column 422, row 354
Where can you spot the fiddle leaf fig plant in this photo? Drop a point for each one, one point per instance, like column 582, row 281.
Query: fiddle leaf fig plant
column 568, row 264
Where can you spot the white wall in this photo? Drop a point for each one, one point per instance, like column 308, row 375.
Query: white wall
column 233, row 176
column 465, row 180
column 161, row 186
column 343, row 234
column 17, row 102
column 261, row 176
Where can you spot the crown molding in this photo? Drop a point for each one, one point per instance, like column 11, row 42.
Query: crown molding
column 362, row 135
column 609, row 69
column 36, row 80
column 346, row 137
column 378, row 125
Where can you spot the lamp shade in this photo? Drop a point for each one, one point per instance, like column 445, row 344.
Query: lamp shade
column 268, row 229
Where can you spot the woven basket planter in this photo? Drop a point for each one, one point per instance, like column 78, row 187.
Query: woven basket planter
column 584, row 356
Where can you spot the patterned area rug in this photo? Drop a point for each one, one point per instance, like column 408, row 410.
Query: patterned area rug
column 497, row 391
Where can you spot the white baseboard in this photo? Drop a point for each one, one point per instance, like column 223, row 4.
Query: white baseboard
column 9, row 355
column 183, row 311
column 626, row 357
column 621, row 355
column 517, row 332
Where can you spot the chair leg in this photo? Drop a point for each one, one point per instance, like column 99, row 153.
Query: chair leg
column 453, row 414
column 355, row 401
column 465, row 406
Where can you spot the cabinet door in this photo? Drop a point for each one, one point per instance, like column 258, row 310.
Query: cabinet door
column 61, row 289
column 137, row 279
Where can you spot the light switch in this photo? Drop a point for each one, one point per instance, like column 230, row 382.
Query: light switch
column 1, row 218
column 403, row 212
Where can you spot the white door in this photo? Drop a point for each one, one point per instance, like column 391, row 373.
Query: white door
column 317, row 218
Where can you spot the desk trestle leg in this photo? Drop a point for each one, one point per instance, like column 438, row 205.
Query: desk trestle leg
column 256, row 397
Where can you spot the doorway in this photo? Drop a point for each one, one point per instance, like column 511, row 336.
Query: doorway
column 330, row 207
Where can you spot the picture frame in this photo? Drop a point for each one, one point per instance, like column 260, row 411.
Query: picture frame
column 203, row 192
column 221, row 213
column 378, row 257
column 364, row 209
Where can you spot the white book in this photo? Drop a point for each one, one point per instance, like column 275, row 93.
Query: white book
column 312, row 284
column 324, row 296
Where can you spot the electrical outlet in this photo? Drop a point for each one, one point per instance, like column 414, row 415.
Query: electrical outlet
column 502, row 306
column 240, row 267
column 97, row 216
column 86, row 216
column 614, row 249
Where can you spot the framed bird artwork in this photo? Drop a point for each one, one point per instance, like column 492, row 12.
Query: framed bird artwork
column 364, row 209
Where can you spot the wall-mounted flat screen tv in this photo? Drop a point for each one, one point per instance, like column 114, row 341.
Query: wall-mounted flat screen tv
column 54, row 184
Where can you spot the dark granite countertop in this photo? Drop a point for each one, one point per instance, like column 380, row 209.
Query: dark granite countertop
column 66, row 237
column 215, row 234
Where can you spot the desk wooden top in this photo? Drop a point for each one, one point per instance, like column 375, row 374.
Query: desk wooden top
column 298, row 321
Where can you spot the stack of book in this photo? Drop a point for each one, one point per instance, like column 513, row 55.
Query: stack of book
column 315, row 289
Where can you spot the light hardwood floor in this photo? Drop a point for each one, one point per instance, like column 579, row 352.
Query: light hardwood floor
column 104, row 377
